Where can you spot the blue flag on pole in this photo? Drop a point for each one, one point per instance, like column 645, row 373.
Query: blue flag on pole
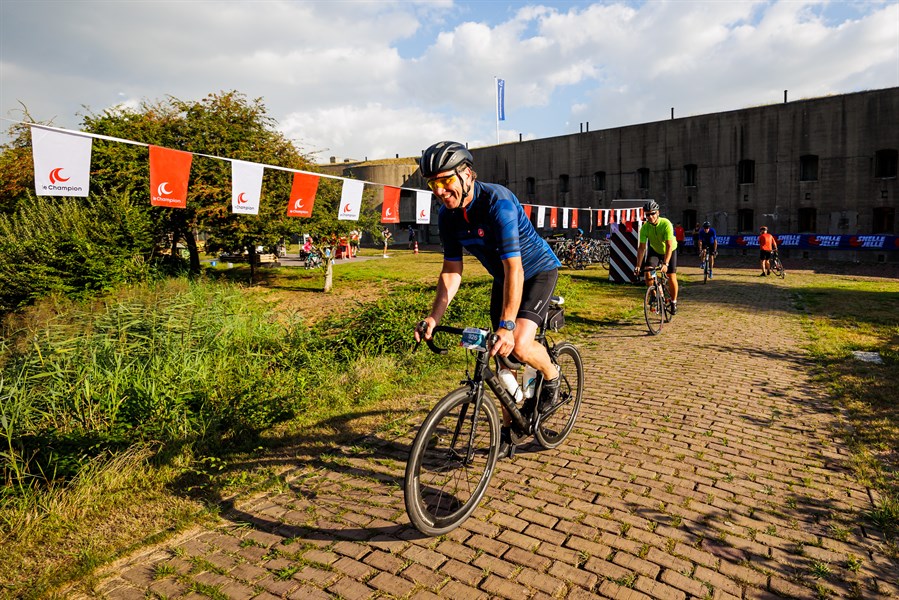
column 500, row 99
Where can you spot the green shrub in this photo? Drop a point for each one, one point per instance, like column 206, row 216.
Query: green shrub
column 70, row 246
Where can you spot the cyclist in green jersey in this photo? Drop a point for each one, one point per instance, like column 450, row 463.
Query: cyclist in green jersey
column 657, row 239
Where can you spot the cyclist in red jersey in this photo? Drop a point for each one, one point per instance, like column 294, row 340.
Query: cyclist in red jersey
column 767, row 245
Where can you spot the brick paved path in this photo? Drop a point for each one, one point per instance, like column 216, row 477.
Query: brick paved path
column 719, row 476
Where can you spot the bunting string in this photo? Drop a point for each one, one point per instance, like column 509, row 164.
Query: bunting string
column 62, row 168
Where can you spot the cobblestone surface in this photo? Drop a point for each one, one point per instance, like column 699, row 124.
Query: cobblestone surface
column 704, row 465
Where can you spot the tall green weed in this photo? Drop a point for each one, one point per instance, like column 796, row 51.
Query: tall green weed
column 180, row 362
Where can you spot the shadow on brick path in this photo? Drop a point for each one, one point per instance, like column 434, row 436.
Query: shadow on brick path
column 705, row 464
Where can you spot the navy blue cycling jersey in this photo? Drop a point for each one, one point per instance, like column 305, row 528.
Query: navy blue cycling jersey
column 707, row 237
column 494, row 227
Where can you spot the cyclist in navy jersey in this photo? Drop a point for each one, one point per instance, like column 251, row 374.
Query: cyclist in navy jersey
column 488, row 221
column 708, row 240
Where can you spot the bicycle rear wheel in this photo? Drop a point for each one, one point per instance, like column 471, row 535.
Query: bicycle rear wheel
column 654, row 310
column 443, row 486
column 553, row 428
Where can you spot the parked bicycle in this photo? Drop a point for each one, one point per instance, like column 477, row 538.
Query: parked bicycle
column 776, row 266
column 657, row 302
column 455, row 451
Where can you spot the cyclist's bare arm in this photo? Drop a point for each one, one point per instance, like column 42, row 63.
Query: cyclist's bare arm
column 641, row 250
column 447, row 286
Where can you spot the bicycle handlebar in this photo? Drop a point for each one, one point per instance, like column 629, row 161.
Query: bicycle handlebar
column 491, row 339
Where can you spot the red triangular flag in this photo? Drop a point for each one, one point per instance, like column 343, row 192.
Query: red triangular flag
column 302, row 195
column 390, row 210
column 553, row 217
column 169, row 174
column 574, row 218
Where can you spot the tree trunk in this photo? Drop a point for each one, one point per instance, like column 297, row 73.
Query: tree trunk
column 191, row 242
column 173, row 256
column 329, row 274
column 252, row 256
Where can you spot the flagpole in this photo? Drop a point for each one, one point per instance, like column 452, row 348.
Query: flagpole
column 496, row 105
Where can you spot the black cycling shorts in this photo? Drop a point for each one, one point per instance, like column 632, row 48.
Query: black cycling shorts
column 764, row 255
column 672, row 264
column 535, row 296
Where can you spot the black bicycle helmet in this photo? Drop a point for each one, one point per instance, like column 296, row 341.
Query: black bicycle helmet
column 651, row 206
column 706, row 224
column 444, row 156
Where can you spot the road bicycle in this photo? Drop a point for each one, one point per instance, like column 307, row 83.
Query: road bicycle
column 657, row 302
column 706, row 264
column 454, row 453
column 776, row 266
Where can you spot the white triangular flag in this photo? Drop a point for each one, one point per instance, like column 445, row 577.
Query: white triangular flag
column 350, row 200
column 422, row 207
column 62, row 162
column 246, row 187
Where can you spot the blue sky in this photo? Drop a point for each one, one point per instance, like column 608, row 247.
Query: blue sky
column 378, row 78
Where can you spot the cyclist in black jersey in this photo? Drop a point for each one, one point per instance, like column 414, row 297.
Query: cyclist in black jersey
column 488, row 221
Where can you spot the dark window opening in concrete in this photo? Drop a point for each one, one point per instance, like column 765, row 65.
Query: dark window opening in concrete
column 563, row 184
column 808, row 218
column 688, row 219
column 746, row 171
column 745, row 220
column 885, row 163
column 599, row 181
column 690, row 175
column 530, row 186
column 808, row 168
column 884, row 220
column 643, row 178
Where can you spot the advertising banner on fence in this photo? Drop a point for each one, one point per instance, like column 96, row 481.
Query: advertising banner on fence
column 814, row 241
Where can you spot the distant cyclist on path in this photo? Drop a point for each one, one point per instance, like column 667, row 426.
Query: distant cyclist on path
column 708, row 239
column 657, row 239
column 488, row 221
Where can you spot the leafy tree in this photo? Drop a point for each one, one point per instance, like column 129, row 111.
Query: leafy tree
column 16, row 167
column 225, row 125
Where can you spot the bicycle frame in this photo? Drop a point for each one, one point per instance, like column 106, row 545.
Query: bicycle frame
column 484, row 374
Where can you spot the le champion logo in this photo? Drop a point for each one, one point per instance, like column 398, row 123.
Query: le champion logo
column 56, row 177
column 163, row 195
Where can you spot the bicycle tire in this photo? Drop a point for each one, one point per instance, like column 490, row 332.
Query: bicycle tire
column 552, row 429
column 654, row 310
column 779, row 270
column 440, row 490
column 705, row 271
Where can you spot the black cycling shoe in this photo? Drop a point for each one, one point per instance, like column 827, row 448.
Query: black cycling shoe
column 549, row 395
column 506, row 446
column 673, row 308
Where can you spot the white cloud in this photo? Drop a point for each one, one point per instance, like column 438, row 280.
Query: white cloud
column 357, row 79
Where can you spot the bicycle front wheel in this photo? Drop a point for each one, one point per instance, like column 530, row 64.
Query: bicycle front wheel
column 779, row 270
column 654, row 310
column 449, row 469
column 553, row 428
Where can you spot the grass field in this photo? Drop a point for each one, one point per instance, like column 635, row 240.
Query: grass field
column 64, row 528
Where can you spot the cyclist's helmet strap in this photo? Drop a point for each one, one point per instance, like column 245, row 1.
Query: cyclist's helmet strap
column 444, row 156
column 650, row 206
